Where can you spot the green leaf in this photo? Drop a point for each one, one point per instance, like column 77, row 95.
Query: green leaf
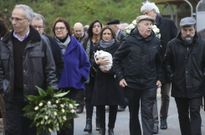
column 61, row 94
column 41, row 91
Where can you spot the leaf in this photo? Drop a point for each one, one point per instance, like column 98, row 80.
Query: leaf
column 61, row 94
column 41, row 91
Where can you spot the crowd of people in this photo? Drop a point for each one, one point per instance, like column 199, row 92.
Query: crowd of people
column 141, row 63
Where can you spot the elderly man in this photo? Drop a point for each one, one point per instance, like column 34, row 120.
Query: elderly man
column 185, row 58
column 114, row 24
column 137, row 67
column 26, row 61
column 168, row 31
column 79, row 32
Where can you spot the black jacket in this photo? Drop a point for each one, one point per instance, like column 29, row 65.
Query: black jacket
column 38, row 65
column 186, row 65
column 138, row 61
column 168, row 31
column 106, row 90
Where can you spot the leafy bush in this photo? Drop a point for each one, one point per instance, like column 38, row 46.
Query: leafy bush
column 50, row 110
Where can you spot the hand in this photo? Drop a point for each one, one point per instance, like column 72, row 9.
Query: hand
column 123, row 83
column 158, row 83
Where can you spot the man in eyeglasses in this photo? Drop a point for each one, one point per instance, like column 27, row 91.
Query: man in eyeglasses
column 26, row 61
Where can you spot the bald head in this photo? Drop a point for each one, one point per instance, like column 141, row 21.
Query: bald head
column 78, row 30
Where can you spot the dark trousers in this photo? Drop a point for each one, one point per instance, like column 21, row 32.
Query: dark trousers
column 88, row 100
column 80, row 98
column 15, row 122
column 147, row 98
column 69, row 130
column 189, row 115
column 165, row 91
column 112, row 116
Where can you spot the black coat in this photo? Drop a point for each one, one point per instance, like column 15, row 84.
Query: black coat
column 168, row 31
column 38, row 65
column 106, row 89
column 186, row 65
column 138, row 61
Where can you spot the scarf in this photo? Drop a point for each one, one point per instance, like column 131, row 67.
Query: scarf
column 63, row 44
column 106, row 44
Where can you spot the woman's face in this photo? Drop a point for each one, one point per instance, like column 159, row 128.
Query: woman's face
column 107, row 35
column 60, row 30
column 96, row 28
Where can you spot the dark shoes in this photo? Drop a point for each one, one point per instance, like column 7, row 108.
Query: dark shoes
column 155, row 129
column 163, row 124
column 110, row 132
column 88, row 126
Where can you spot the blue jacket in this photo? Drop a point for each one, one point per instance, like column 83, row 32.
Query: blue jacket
column 76, row 66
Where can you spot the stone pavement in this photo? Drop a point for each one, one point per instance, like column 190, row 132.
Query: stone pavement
column 122, row 123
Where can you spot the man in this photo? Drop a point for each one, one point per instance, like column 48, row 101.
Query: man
column 38, row 22
column 25, row 62
column 79, row 32
column 168, row 31
column 185, row 58
column 137, row 66
column 114, row 24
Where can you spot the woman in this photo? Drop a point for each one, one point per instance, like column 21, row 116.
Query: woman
column 106, row 88
column 90, row 44
column 76, row 64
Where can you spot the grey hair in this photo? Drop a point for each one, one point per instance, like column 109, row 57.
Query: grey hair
column 28, row 11
column 148, row 6
column 37, row 16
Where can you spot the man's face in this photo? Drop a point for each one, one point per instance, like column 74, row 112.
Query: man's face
column 151, row 13
column 188, row 32
column 145, row 28
column 78, row 31
column 38, row 25
column 19, row 21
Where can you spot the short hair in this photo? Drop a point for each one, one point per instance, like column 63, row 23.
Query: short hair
column 149, row 6
column 67, row 25
column 37, row 16
column 27, row 10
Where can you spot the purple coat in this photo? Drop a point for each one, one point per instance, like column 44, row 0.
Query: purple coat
column 76, row 66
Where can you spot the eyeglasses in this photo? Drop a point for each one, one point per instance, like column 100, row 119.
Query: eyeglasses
column 17, row 19
column 59, row 28
column 38, row 27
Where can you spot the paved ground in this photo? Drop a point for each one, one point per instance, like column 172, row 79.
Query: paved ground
column 123, row 120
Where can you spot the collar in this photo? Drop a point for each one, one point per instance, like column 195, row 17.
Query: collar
column 21, row 38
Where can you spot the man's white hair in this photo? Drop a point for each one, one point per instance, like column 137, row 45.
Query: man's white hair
column 37, row 16
column 149, row 6
column 28, row 11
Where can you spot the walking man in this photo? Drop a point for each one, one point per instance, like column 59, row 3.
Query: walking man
column 168, row 31
column 185, row 60
column 26, row 61
column 137, row 66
